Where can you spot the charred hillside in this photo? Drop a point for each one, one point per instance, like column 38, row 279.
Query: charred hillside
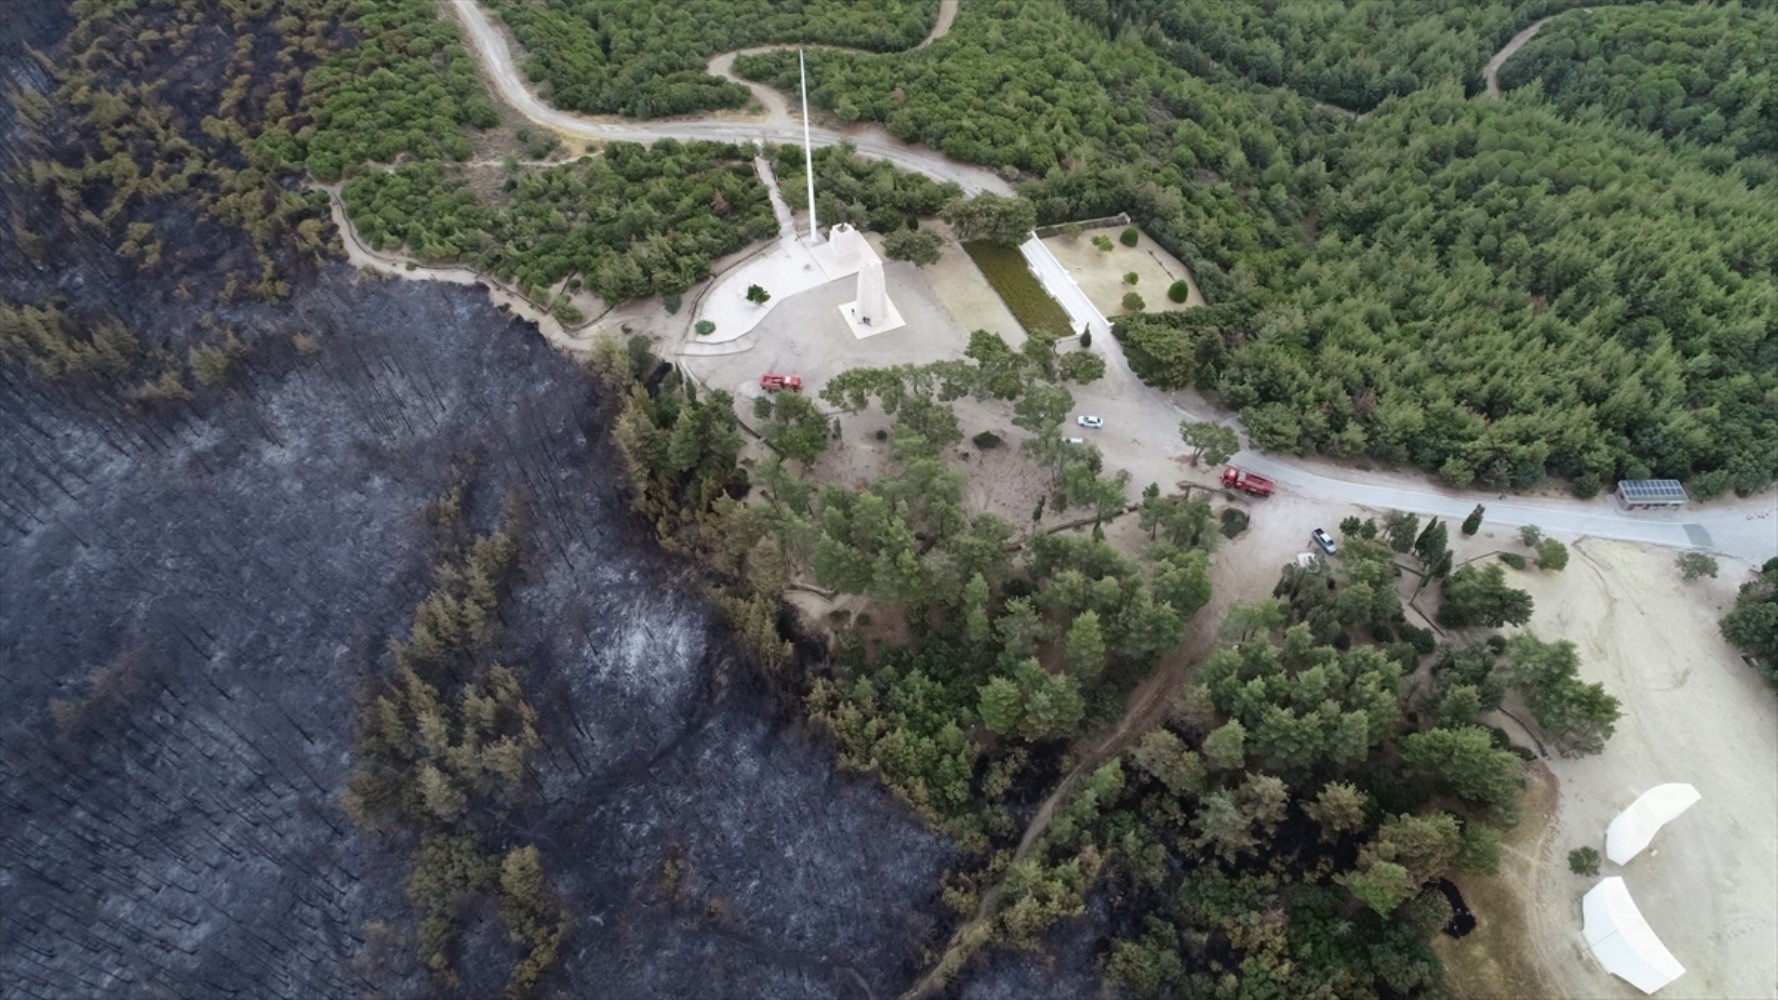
column 198, row 585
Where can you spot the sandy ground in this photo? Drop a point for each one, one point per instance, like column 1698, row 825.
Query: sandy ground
column 1101, row 274
column 1692, row 713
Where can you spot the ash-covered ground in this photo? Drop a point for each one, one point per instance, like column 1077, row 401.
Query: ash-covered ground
column 234, row 567
column 193, row 594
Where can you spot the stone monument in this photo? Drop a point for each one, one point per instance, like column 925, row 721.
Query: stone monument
column 871, row 312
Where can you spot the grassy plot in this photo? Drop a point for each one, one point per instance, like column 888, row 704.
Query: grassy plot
column 1006, row 270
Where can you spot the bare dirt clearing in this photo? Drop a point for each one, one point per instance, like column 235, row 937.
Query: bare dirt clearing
column 1692, row 712
column 1100, row 273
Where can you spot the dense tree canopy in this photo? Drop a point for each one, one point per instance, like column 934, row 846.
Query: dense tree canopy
column 1702, row 73
column 869, row 194
column 1753, row 625
column 1350, row 53
column 1490, row 291
column 406, row 87
column 634, row 221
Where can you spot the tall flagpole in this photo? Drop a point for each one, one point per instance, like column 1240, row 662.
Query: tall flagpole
column 808, row 149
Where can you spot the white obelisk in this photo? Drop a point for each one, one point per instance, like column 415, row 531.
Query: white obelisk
column 808, row 150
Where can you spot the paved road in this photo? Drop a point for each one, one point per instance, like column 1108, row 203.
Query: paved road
column 1746, row 530
column 495, row 57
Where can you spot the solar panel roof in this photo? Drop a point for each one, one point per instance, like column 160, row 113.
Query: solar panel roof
column 1652, row 491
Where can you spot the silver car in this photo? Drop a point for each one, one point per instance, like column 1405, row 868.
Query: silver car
column 1324, row 540
column 1093, row 422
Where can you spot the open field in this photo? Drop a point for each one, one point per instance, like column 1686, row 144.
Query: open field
column 1101, row 274
column 1692, row 712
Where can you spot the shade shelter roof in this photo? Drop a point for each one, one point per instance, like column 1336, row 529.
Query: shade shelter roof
column 1622, row 941
column 1636, row 826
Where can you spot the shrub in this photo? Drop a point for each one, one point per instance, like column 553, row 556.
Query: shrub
column 1552, row 554
column 1531, row 534
column 1131, row 277
column 1586, row 485
column 1103, row 243
column 1133, row 302
column 1513, row 559
column 758, row 295
column 1179, row 291
column 704, row 327
column 1583, row 861
column 881, row 435
column 1129, row 237
column 1422, row 639
column 986, row 441
column 1695, row 564
column 671, row 302
column 1234, row 521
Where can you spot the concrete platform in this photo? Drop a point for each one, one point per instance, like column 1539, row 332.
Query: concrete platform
column 891, row 321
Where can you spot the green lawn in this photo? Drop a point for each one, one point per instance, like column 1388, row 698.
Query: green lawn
column 1005, row 269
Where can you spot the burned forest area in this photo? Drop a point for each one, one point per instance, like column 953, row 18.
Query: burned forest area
column 198, row 600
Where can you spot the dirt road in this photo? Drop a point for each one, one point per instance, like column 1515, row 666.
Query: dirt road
column 492, row 52
column 1491, row 72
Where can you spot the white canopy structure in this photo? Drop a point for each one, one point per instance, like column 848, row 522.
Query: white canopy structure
column 1633, row 828
column 1622, row 941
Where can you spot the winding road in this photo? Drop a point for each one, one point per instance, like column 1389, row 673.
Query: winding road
column 495, row 57
column 1491, row 72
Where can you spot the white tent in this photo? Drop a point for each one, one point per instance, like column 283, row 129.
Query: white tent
column 1633, row 828
column 1622, row 941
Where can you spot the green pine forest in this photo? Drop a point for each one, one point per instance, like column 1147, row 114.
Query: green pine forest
column 1702, row 74
column 1493, row 291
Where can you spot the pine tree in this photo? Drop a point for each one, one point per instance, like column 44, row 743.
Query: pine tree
column 1473, row 523
column 1086, row 646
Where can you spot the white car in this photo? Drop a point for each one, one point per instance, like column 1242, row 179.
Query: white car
column 1324, row 540
column 1093, row 422
column 1075, row 440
